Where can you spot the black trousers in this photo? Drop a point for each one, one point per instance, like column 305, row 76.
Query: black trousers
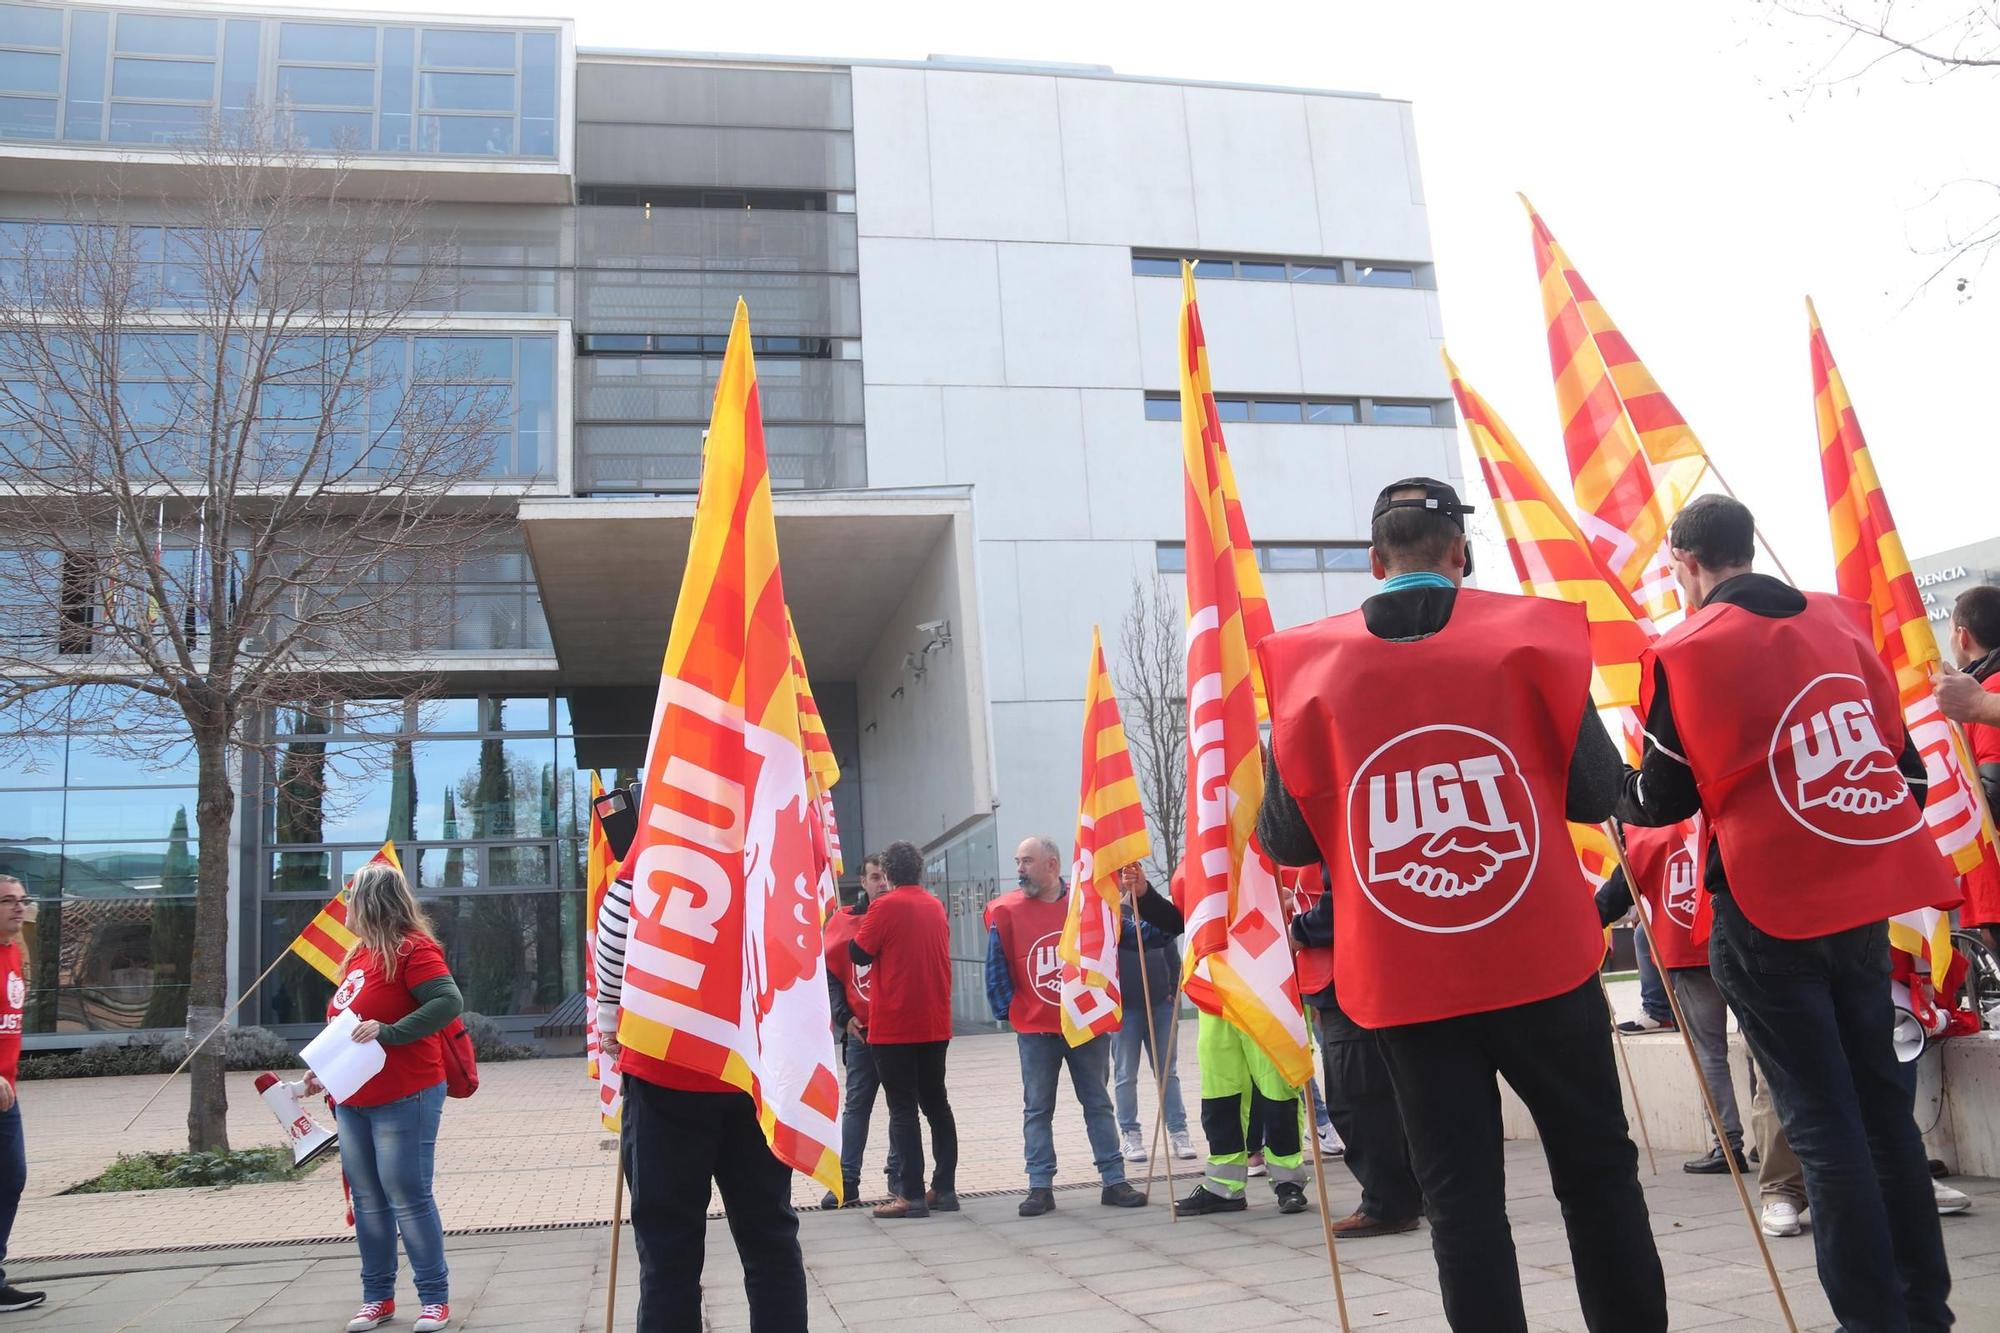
column 912, row 1075
column 673, row 1145
column 1556, row 1054
column 1361, row 1100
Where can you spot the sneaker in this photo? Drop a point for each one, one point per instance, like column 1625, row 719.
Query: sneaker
column 1039, row 1201
column 1647, row 1023
column 899, row 1207
column 1358, row 1225
column 1948, row 1199
column 1780, row 1218
column 1122, row 1195
column 372, row 1315
column 1291, row 1197
column 1256, row 1164
column 1329, row 1142
column 1714, row 1163
column 1132, row 1146
column 941, row 1201
column 431, row 1318
column 1201, row 1201
column 13, row 1298
column 1183, row 1148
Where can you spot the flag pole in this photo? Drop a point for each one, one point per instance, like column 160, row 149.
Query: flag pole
column 194, row 1050
column 617, row 1217
column 1162, row 1150
column 1708, row 1099
column 1308, row 1118
column 1625, row 1061
column 1769, row 549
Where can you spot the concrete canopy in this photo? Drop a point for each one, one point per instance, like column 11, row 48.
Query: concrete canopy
column 610, row 573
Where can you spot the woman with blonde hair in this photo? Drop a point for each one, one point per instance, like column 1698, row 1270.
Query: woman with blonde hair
column 397, row 984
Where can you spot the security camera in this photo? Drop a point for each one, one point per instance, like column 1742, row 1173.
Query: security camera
column 934, row 626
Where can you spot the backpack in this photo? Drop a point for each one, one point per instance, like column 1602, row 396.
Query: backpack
column 461, row 1065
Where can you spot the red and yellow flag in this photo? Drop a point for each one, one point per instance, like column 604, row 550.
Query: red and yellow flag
column 723, row 971
column 1551, row 556
column 1869, row 566
column 1110, row 835
column 1239, row 966
column 597, row 873
column 1633, row 460
column 822, row 772
column 326, row 940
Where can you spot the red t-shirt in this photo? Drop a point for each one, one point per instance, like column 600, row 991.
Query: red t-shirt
column 1030, row 928
column 855, row 978
column 15, row 971
column 905, row 932
column 372, row 995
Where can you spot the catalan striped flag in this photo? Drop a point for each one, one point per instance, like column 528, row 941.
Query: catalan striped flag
column 596, row 879
column 1551, row 556
column 1633, row 460
column 724, row 974
column 822, row 772
column 1110, row 835
column 1238, row 965
column 1594, row 853
column 1869, row 566
column 326, row 940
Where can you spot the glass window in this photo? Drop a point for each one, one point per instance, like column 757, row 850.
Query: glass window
column 511, row 953
column 468, row 92
column 158, row 812
column 1232, row 409
column 1374, row 275
column 1152, row 266
column 538, row 94
column 333, row 43
column 523, row 713
column 124, row 869
column 29, row 72
column 466, row 135
column 36, row 762
column 1344, row 559
column 1333, row 414
column 448, row 715
column 439, row 868
column 1163, row 409
column 295, row 993
column 122, row 965
column 326, row 87
column 1276, row 412
column 89, row 39
column 527, row 865
column 178, row 80
column 104, row 761
column 464, row 48
column 332, row 129
column 38, row 866
column 31, row 26
column 615, row 342
column 534, row 409
column 1289, row 559
column 239, row 67
column 31, row 816
column 398, row 89
column 133, row 122
column 28, row 117
column 162, row 35
column 465, row 358
column 305, row 872
column 1214, row 268
column 1404, row 414
column 1328, row 273
column 1254, row 271
column 1170, row 558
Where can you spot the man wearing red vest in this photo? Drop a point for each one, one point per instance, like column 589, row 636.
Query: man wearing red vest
column 1428, row 748
column 1771, row 711
column 1024, row 990
column 1975, row 643
column 848, row 984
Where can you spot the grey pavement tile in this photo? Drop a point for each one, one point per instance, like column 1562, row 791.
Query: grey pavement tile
column 211, row 1302
column 886, row 1271
column 1114, row 1281
column 1245, row 1312
column 1108, row 1320
column 973, row 1290
column 962, row 1322
column 252, row 1274
column 1177, row 1296
column 918, row 1283
column 1306, row 1292
column 1086, row 1265
column 520, row 1319
column 1071, row 1301
column 964, row 1269
column 1401, row 1303
column 853, row 1313
column 503, row 1295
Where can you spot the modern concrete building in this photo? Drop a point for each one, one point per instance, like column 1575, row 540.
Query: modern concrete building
column 1942, row 577
column 963, row 279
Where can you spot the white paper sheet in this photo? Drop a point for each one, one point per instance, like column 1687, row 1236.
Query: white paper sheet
column 342, row 1063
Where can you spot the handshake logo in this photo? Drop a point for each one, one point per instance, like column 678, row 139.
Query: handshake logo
column 1450, row 829
column 1832, row 770
column 1683, row 887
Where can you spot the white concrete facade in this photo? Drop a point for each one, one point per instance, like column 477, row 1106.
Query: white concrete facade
column 1008, row 346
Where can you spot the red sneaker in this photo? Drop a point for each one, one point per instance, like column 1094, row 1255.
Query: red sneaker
column 431, row 1318
column 372, row 1315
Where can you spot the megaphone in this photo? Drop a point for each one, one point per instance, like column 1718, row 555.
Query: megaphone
column 1908, row 1036
column 309, row 1138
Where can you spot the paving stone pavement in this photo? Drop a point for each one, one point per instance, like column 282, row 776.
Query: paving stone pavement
column 1082, row 1267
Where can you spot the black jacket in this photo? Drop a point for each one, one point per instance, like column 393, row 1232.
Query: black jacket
column 1418, row 613
column 1161, row 924
column 1661, row 791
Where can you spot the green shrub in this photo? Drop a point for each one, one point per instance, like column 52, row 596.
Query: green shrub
column 138, row 1056
column 247, row 1049
column 489, row 1041
column 190, row 1170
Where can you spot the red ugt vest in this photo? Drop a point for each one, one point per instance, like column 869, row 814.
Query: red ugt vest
column 1303, row 886
column 1029, row 930
column 1792, row 727
column 1433, row 775
column 840, row 964
column 1666, row 864
column 1982, row 886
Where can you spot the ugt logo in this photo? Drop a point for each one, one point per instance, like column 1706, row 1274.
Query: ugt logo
column 1833, row 772
column 1442, row 829
column 1683, row 884
column 1045, row 967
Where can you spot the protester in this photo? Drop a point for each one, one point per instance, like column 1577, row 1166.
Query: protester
column 905, row 941
column 1155, row 970
column 397, row 984
column 1024, row 989
column 682, row 1137
column 1655, row 1014
column 1814, row 795
column 1427, row 748
column 1360, row 1097
column 1975, row 645
column 14, row 908
column 1781, row 1181
column 1668, row 864
column 848, row 984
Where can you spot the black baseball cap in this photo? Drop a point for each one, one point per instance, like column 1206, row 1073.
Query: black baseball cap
column 1439, row 497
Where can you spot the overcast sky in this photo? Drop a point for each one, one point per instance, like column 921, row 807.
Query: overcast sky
column 1662, row 144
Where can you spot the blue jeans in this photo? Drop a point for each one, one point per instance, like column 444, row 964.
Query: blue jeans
column 857, row 1109
column 1653, row 1002
column 1043, row 1054
column 1125, row 1046
column 387, row 1152
column 1817, row 1016
column 13, row 1176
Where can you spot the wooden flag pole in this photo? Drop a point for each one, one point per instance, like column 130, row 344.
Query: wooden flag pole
column 617, row 1217
column 196, row 1048
column 1308, row 1118
column 1625, row 1062
column 1162, row 1149
column 1708, row 1097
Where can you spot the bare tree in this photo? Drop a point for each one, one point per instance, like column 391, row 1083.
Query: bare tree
column 1152, row 684
column 235, row 477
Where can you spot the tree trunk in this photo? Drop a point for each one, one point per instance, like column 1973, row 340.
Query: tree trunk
column 215, row 804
